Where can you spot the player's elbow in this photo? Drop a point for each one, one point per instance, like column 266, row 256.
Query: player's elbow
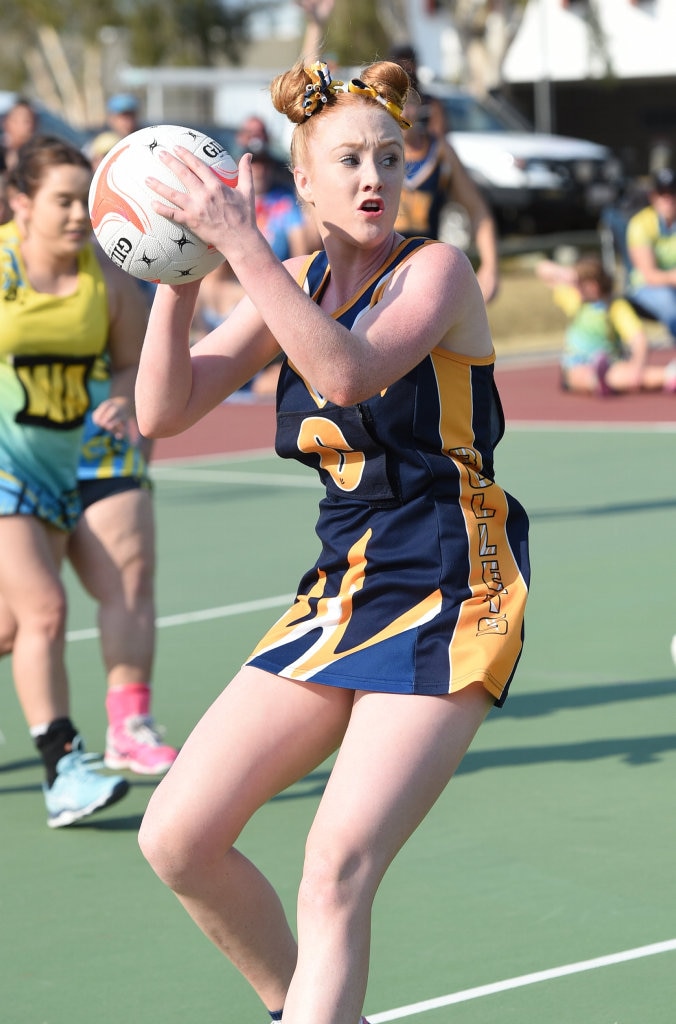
column 346, row 393
column 153, row 425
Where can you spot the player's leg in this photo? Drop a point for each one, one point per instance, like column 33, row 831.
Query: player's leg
column 31, row 587
column 262, row 734
column 7, row 628
column 113, row 553
column 34, row 596
column 398, row 754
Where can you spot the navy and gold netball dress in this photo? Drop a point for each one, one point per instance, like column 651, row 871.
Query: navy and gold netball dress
column 422, row 579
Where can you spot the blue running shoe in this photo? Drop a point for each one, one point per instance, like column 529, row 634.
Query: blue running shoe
column 80, row 789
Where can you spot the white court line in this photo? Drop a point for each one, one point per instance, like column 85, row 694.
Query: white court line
column 250, row 455
column 592, row 426
column 229, row 476
column 187, row 618
column 524, row 979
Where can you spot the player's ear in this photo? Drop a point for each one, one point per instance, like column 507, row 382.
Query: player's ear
column 303, row 185
column 20, row 204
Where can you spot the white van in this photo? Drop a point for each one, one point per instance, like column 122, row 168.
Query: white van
column 533, row 182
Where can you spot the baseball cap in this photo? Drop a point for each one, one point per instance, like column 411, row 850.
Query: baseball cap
column 664, row 181
column 122, row 103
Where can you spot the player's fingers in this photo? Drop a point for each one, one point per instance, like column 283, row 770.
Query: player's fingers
column 159, row 207
column 185, row 164
column 245, row 176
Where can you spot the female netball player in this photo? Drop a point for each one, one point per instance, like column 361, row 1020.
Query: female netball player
column 61, row 305
column 408, row 628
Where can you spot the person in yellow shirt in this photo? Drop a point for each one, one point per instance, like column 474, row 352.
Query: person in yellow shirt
column 112, row 549
column 651, row 247
column 606, row 347
column 62, row 304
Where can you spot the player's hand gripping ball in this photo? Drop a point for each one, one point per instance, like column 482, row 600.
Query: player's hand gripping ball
column 140, row 241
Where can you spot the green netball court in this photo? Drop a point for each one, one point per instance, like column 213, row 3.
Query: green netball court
column 541, row 888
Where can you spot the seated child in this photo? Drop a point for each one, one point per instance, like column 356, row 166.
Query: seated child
column 606, row 348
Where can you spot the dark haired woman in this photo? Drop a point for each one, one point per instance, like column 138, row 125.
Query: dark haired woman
column 62, row 303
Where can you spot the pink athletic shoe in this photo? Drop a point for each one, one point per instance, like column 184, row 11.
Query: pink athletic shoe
column 136, row 744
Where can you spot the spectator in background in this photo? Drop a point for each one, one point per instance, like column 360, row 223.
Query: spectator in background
column 252, row 134
column 18, row 126
column 253, row 137
column 606, row 348
column 435, row 176
column 404, row 55
column 651, row 248
column 100, row 146
column 122, row 114
column 278, row 213
column 276, row 197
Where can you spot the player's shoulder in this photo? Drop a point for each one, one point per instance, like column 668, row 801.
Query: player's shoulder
column 434, row 256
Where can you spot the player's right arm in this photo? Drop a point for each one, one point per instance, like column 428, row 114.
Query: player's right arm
column 177, row 385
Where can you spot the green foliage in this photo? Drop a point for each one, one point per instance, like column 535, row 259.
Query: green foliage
column 172, row 32
column 84, row 17
column 357, row 35
column 188, row 32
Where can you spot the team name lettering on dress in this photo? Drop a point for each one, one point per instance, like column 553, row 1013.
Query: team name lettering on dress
column 496, row 621
column 55, row 391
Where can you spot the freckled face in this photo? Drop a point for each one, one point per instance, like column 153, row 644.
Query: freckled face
column 354, row 170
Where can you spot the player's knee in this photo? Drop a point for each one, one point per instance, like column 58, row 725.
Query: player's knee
column 157, row 842
column 7, row 632
column 335, row 881
column 169, row 850
column 48, row 617
column 6, row 642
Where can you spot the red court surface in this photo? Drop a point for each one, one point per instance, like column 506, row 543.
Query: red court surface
column 529, row 389
column 531, row 392
column 230, row 427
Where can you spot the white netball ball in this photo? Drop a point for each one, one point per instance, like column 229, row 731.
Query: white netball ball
column 140, row 241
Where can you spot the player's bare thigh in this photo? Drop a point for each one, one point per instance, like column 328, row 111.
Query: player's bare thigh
column 259, row 736
column 29, row 578
column 403, row 750
column 113, row 533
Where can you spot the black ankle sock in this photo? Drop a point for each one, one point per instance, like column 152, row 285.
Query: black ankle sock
column 275, row 1014
column 54, row 743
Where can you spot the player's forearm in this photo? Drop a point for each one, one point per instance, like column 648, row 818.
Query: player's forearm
column 164, row 379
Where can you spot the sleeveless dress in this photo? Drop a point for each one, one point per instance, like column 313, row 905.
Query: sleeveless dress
column 422, row 578
column 102, row 455
column 48, row 346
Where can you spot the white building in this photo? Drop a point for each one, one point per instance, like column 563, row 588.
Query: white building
column 554, row 41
